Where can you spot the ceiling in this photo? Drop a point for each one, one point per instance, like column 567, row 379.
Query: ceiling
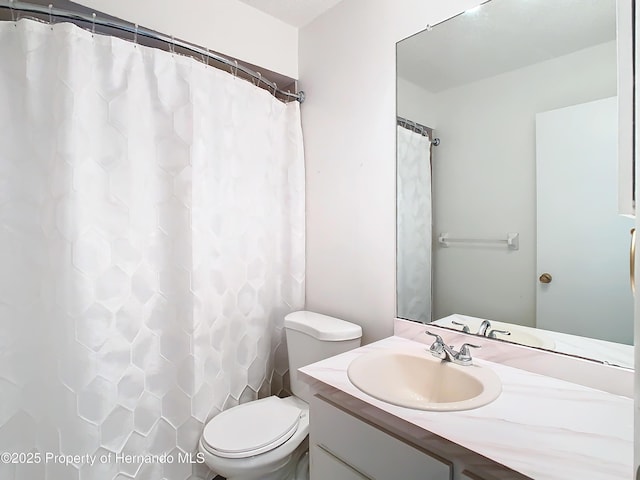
column 296, row 13
column 501, row 36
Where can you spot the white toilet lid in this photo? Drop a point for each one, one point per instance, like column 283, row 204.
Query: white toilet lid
column 251, row 428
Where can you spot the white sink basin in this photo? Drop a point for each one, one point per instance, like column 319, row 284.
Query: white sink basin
column 423, row 382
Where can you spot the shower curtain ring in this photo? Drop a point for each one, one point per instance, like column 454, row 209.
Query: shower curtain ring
column 13, row 15
column 275, row 88
column 51, row 16
column 172, row 45
column 93, row 24
column 207, row 58
column 235, row 73
column 135, row 34
column 258, row 79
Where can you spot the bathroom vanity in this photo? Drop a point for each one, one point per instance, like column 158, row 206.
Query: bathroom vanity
column 339, row 436
column 539, row 427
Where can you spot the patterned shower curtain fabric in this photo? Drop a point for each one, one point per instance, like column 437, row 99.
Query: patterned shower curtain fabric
column 414, row 225
column 151, row 242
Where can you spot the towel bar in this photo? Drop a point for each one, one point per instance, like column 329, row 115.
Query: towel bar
column 512, row 240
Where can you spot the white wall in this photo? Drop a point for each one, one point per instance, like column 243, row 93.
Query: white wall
column 484, row 178
column 229, row 27
column 347, row 68
column 416, row 104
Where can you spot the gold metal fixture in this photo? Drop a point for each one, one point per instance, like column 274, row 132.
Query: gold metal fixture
column 545, row 278
column 632, row 261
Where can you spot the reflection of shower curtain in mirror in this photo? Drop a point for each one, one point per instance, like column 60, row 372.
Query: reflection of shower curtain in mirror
column 414, row 226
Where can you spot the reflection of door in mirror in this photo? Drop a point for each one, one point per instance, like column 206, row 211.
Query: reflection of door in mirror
column 413, row 147
column 582, row 241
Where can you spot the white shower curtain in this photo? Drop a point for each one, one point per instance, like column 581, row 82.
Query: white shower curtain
column 151, row 241
column 414, row 225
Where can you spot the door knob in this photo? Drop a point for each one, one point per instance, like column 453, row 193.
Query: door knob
column 545, row 278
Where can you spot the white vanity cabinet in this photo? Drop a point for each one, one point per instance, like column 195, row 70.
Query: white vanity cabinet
column 344, row 447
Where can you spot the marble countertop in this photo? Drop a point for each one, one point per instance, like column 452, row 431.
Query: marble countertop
column 540, row 426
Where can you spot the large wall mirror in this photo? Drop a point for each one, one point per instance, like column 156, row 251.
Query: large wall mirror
column 508, row 182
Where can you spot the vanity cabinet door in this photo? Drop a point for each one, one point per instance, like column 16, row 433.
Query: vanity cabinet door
column 466, row 475
column 367, row 449
column 326, row 466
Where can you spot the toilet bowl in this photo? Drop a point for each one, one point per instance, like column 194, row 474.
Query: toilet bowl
column 267, row 439
column 264, row 439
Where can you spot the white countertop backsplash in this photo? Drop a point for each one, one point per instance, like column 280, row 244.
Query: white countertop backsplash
column 540, row 426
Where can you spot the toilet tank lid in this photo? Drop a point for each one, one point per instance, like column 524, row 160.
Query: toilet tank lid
column 322, row 327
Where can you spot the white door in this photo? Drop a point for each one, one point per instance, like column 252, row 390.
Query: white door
column 583, row 243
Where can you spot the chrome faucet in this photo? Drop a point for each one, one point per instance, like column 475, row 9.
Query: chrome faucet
column 484, row 326
column 442, row 351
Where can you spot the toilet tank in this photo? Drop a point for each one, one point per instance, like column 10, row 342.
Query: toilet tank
column 312, row 337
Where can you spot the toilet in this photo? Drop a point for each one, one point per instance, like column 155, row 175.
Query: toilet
column 267, row 439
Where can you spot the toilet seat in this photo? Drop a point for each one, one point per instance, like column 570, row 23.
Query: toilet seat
column 251, row 428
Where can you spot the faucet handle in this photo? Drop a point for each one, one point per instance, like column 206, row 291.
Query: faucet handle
column 492, row 333
column 465, row 327
column 464, row 356
column 438, row 337
column 438, row 345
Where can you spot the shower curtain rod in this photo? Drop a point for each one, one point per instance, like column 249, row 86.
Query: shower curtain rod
column 136, row 31
column 416, row 127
